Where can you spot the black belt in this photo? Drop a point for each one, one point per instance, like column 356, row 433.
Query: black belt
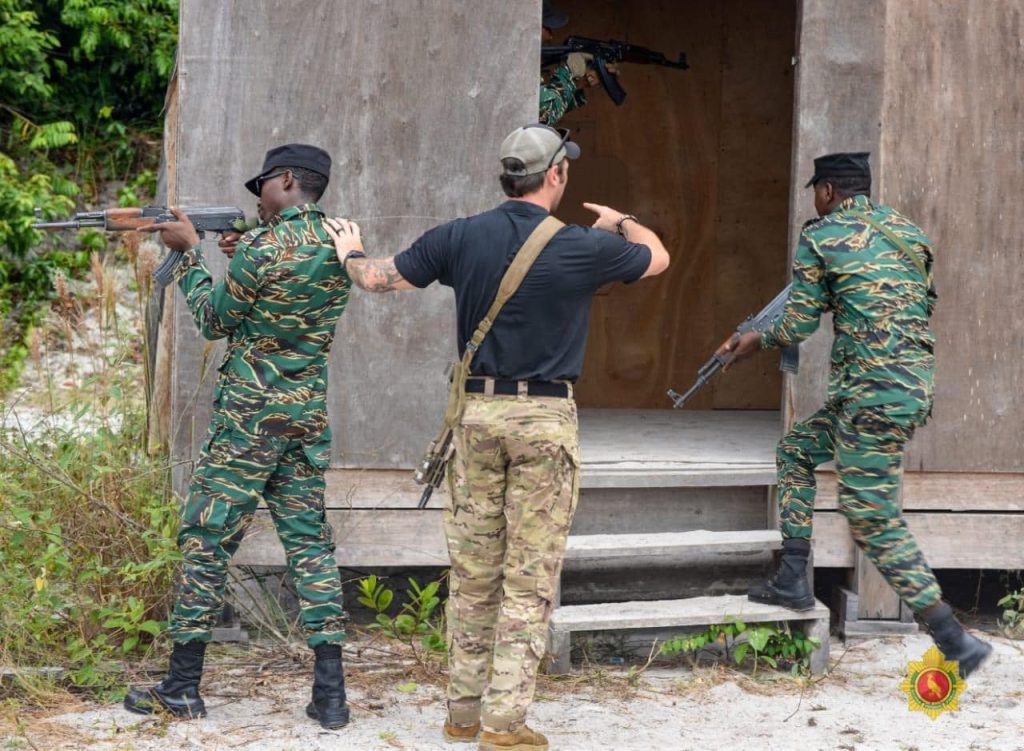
column 503, row 387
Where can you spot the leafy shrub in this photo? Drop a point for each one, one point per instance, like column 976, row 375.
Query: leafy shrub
column 1012, row 620
column 82, row 86
column 87, row 548
column 418, row 617
column 774, row 645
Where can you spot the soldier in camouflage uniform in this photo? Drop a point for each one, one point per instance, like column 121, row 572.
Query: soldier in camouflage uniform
column 514, row 477
column 269, row 438
column 563, row 90
column 872, row 268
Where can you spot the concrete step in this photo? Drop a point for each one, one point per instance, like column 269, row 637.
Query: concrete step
column 699, row 543
column 695, row 611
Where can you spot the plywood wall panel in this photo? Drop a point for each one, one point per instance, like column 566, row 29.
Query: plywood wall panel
column 669, row 156
column 953, row 159
column 412, row 99
column 839, row 78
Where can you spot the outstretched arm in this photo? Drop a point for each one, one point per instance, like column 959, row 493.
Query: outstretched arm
column 371, row 274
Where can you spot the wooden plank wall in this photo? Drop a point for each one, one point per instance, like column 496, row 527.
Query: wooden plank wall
column 934, row 93
column 941, row 509
column 839, row 83
column 703, row 157
column 412, row 99
column 953, row 159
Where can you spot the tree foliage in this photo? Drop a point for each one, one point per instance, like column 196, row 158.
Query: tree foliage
column 82, row 87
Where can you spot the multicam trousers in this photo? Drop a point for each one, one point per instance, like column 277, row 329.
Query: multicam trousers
column 868, row 450
column 234, row 471
column 514, row 483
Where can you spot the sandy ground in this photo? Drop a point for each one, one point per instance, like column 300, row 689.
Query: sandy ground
column 256, row 702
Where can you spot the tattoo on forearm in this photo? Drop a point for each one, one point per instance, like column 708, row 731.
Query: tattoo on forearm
column 374, row 274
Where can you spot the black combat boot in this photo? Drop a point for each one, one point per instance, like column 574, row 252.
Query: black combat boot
column 178, row 693
column 328, row 705
column 951, row 639
column 789, row 587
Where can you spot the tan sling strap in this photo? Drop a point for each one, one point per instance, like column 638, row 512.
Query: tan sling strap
column 432, row 468
column 895, row 240
column 514, row 276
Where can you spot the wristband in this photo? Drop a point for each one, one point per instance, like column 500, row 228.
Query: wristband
column 352, row 254
column 618, row 224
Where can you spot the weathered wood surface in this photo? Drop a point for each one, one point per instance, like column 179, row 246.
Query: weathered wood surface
column 641, row 510
column 695, row 611
column 696, row 543
column 365, row 537
column 934, row 93
column 839, row 84
column 944, row 491
column 948, row 540
column 702, row 157
column 652, row 448
column 403, row 97
column 621, row 449
column 952, row 146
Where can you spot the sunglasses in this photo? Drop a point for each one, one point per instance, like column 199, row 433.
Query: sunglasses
column 263, row 178
column 564, row 133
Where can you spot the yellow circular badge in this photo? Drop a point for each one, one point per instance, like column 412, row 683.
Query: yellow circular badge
column 933, row 684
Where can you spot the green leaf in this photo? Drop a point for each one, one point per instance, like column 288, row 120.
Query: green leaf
column 407, row 688
column 150, row 627
column 758, row 637
column 740, row 652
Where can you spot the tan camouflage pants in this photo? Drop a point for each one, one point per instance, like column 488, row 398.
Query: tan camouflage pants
column 514, row 482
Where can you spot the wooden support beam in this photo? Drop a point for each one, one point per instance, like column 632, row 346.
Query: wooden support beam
column 948, row 540
column 943, row 491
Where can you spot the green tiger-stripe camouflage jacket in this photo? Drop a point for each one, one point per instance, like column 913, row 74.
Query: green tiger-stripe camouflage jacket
column 278, row 305
column 883, row 351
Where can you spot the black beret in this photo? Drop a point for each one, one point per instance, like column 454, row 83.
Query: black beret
column 293, row 155
column 847, row 164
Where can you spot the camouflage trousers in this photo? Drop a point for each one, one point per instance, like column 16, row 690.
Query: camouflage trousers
column 514, row 482
column 235, row 470
column 868, row 451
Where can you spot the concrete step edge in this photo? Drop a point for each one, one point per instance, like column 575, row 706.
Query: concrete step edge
column 694, row 611
column 646, row 544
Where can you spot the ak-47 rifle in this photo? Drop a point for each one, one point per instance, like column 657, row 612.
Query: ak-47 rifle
column 432, row 469
column 611, row 51
column 205, row 219
column 760, row 322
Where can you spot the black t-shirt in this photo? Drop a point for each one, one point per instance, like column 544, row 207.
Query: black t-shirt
column 541, row 331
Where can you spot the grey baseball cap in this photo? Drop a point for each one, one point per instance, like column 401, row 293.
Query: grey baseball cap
column 538, row 147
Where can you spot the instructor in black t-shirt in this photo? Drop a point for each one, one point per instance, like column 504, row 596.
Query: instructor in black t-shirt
column 514, row 476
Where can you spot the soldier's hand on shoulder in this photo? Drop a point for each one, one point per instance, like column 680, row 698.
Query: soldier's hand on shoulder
column 346, row 236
